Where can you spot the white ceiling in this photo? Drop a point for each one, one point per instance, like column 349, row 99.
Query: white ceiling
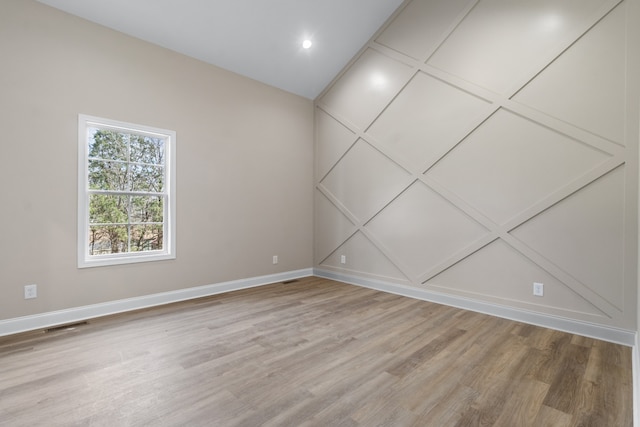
column 256, row 38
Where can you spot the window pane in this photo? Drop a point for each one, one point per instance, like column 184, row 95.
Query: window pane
column 147, row 178
column 125, row 198
column 145, row 149
column 107, row 144
column 105, row 175
column 146, row 238
column 108, row 209
column 147, row 209
column 107, row 239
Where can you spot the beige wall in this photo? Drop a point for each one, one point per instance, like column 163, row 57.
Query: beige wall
column 474, row 148
column 244, row 161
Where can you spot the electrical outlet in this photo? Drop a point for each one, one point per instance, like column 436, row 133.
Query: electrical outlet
column 343, row 259
column 538, row 289
column 275, row 259
column 30, row 291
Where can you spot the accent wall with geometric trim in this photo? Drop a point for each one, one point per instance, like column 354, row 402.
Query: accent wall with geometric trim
column 473, row 148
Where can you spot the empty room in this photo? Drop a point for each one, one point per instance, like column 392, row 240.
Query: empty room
column 320, row 213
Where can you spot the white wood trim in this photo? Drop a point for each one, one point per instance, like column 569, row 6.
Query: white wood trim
column 169, row 248
column 77, row 314
column 592, row 330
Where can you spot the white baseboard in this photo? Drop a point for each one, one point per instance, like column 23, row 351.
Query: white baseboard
column 592, row 330
column 77, row 314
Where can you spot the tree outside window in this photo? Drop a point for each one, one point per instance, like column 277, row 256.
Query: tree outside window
column 127, row 203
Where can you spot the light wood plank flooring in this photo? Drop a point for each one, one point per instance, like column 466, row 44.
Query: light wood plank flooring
column 311, row 353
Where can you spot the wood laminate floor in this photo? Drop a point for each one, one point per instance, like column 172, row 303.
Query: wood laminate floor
column 312, row 353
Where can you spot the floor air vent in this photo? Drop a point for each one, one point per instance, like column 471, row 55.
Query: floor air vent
column 67, row 327
column 286, row 282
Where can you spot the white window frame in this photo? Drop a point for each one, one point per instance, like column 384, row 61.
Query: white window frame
column 168, row 250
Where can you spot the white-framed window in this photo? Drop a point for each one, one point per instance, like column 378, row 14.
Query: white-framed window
column 126, row 192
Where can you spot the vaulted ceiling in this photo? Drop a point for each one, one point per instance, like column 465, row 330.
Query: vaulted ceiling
column 255, row 38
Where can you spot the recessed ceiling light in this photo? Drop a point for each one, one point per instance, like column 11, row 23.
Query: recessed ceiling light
column 378, row 80
column 306, row 44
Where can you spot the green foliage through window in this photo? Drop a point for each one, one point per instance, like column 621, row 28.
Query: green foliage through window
column 126, row 179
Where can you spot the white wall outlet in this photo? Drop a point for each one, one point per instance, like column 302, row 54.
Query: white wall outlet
column 538, row 289
column 30, row 291
column 343, row 259
column 275, row 259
